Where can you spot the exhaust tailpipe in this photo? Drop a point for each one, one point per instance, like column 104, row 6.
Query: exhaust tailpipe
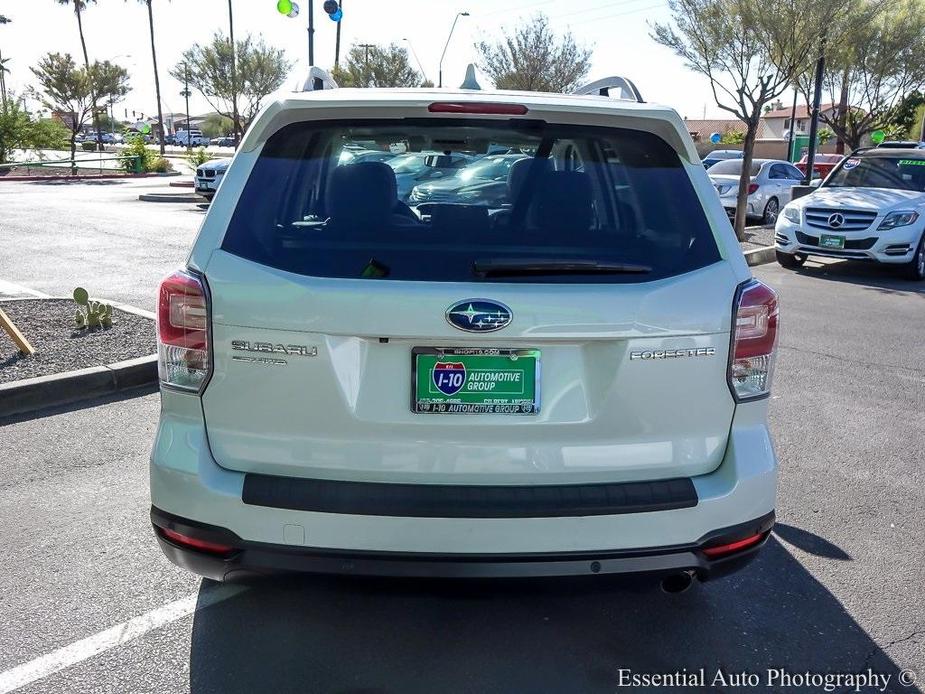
column 678, row 583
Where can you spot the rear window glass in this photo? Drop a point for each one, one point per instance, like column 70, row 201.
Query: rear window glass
column 902, row 172
column 470, row 201
column 733, row 167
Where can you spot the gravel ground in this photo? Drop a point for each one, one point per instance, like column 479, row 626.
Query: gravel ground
column 758, row 237
column 49, row 325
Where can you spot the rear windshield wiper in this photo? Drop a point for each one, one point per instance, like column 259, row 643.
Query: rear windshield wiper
column 512, row 267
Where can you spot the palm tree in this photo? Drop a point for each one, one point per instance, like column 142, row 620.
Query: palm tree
column 79, row 7
column 157, row 79
column 3, row 67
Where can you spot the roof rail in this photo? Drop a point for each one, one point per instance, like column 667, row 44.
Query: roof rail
column 316, row 81
column 602, row 87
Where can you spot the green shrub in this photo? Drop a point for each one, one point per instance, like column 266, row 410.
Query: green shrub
column 197, row 157
column 88, row 146
column 136, row 148
column 161, row 165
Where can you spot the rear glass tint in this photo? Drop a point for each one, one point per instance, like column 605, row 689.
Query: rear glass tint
column 444, row 199
column 733, row 167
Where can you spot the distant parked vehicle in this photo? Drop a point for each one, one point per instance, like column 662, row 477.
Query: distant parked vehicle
column 769, row 190
column 223, row 141
column 192, row 137
column 822, row 164
column 411, row 169
column 718, row 155
column 112, row 138
column 209, row 175
column 170, row 140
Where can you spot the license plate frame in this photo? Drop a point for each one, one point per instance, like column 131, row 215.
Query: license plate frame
column 427, row 398
column 833, row 241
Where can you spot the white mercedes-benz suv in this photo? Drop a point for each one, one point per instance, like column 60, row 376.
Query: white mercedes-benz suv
column 871, row 207
column 571, row 378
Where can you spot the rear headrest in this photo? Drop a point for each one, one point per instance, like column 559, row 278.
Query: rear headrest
column 361, row 193
column 518, row 174
column 562, row 201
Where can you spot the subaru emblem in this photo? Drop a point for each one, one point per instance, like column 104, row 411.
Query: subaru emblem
column 479, row 315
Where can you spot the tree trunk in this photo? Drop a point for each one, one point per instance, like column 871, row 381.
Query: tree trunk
column 157, row 81
column 83, row 45
column 748, row 153
column 842, row 112
column 73, row 152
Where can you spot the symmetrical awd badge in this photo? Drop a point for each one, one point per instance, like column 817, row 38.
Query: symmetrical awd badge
column 479, row 315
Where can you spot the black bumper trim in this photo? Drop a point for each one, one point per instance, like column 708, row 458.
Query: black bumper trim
column 467, row 501
column 259, row 559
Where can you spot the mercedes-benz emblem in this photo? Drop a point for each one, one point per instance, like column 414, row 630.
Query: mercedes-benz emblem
column 836, row 220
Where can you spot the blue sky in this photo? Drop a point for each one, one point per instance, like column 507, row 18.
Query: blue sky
column 618, row 31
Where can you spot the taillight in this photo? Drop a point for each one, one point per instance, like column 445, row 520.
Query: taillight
column 752, row 187
column 754, row 341
column 182, row 332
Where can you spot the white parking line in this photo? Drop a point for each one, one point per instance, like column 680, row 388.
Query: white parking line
column 64, row 657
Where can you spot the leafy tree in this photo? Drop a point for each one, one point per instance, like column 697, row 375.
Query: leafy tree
column 18, row 131
column 216, row 125
column 732, row 137
column 879, row 61
column 534, row 58
column 260, row 70
column 750, row 52
column 157, row 79
column 377, row 66
column 905, row 119
column 75, row 91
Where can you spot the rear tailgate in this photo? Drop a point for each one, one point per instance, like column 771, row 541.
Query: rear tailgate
column 612, row 406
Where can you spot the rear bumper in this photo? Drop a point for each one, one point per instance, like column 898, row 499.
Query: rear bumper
column 189, row 489
column 249, row 559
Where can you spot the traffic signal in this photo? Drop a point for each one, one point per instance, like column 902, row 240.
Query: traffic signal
column 332, row 7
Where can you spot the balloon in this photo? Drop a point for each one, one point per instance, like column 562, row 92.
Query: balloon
column 294, row 12
column 877, row 136
column 145, row 129
column 284, row 6
column 715, row 138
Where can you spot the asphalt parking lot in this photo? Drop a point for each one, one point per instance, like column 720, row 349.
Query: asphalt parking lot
column 88, row 604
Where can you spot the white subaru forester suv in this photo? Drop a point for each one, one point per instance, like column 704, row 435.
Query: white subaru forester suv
column 569, row 379
column 871, row 207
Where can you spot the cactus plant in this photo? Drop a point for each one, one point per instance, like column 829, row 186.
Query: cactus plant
column 91, row 314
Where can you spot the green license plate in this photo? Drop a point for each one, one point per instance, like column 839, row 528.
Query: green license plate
column 830, row 241
column 475, row 380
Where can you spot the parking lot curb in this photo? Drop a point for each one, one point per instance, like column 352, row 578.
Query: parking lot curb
column 761, row 256
column 170, row 197
column 31, row 394
column 41, row 392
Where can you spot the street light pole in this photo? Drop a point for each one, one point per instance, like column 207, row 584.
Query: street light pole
column 442, row 55
column 337, row 40
column 234, row 78
column 814, row 123
column 416, row 59
column 311, row 33
column 186, row 94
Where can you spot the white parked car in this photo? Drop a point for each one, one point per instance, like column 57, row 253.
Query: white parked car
column 209, row 175
column 569, row 379
column 768, row 192
column 871, row 207
column 193, row 138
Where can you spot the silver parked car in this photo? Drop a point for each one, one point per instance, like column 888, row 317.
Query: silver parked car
column 768, row 192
